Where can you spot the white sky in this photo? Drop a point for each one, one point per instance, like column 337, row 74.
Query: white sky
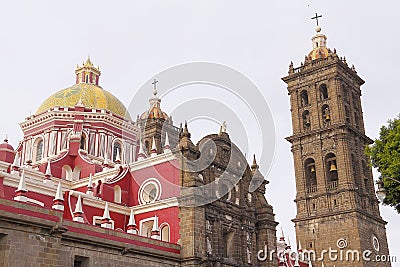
column 42, row 41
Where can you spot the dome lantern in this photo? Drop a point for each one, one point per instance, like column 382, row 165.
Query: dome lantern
column 87, row 73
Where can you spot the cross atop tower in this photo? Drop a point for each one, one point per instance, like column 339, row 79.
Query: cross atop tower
column 317, row 17
column 155, row 86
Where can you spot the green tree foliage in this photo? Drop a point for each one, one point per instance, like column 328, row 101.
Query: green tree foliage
column 385, row 155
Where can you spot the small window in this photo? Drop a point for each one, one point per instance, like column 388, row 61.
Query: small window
column 306, row 119
column 326, row 114
column 117, row 194
column 323, row 91
column 146, row 227
column 117, row 149
column 83, row 142
column 149, row 191
column 304, row 98
column 165, row 233
column 39, row 150
column 310, row 172
column 331, row 168
column 80, row 261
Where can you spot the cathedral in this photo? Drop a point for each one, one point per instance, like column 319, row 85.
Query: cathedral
column 89, row 186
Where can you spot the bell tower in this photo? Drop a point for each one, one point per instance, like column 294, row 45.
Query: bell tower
column 336, row 204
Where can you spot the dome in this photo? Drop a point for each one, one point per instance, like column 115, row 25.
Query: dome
column 6, row 146
column 91, row 95
column 320, row 52
column 154, row 113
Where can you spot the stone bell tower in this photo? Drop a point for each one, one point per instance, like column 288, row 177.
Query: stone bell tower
column 336, row 203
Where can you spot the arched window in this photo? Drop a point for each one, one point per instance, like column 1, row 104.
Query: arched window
column 223, row 191
column 39, row 149
column 67, row 172
column 165, row 232
column 229, row 244
column 117, row 194
column 83, row 142
column 117, row 149
column 323, row 91
column 146, row 227
column 331, row 169
column 306, row 119
column 366, row 174
column 304, row 98
column 347, row 113
column 356, row 120
column 326, row 114
column 310, row 172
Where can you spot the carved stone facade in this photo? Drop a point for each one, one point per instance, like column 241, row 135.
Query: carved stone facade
column 335, row 190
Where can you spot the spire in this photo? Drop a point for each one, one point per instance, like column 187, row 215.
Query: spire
column 223, row 128
column 282, row 236
column 322, row 265
column 106, row 213
column 185, row 132
column 118, row 157
column 299, row 249
column 20, row 193
column 16, row 165
column 131, row 227
column 296, row 262
column 78, row 213
column 58, row 202
column 90, row 186
column 254, row 166
column 106, row 221
column 309, row 264
column 141, row 154
column 6, row 139
column 155, row 232
column 167, row 147
column 48, row 175
column 153, row 148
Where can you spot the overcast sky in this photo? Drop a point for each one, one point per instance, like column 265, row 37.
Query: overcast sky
column 42, row 41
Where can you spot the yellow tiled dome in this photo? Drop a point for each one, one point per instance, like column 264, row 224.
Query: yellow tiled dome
column 92, row 96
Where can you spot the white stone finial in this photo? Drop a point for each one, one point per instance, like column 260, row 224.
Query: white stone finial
column 118, row 157
column 106, row 219
column 78, row 213
column 90, row 186
column 282, row 237
column 21, row 184
column 153, row 148
column 48, row 175
column 141, row 154
column 78, row 206
column 58, row 202
column 59, row 195
column 167, row 147
column 155, row 232
column 131, row 227
column 299, row 247
column 309, row 264
column 106, row 213
column 16, row 165
column 322, row 265
column 20, row 193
